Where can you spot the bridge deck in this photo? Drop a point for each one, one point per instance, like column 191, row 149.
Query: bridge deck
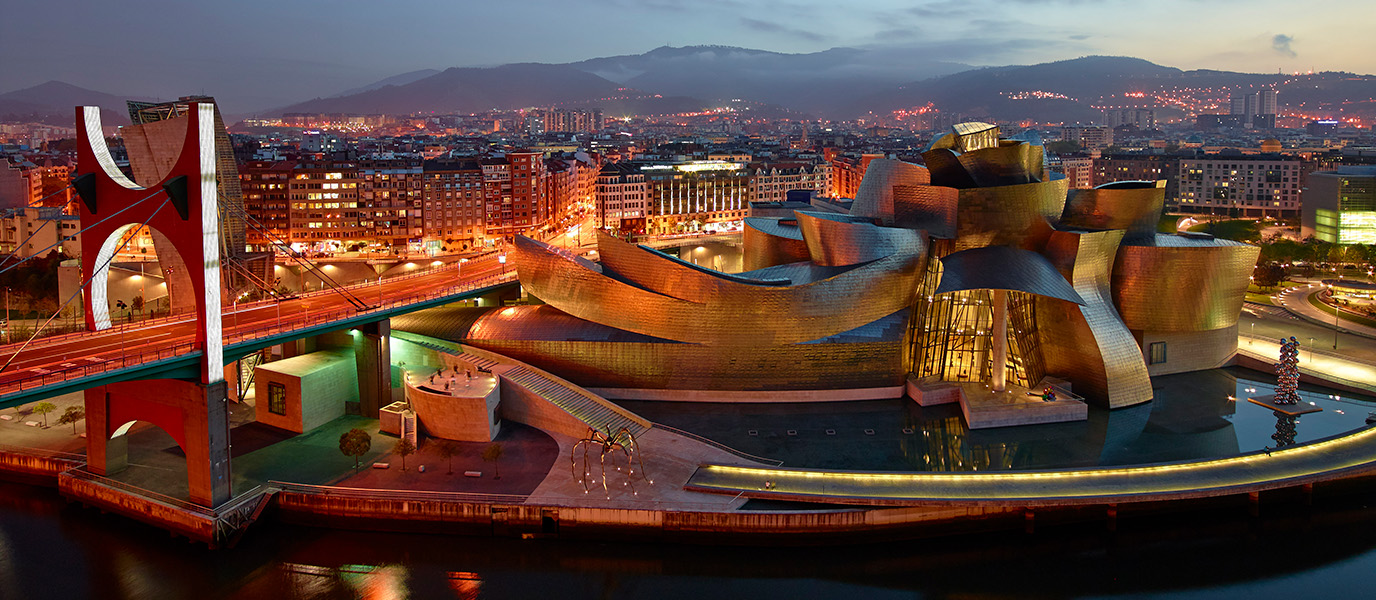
column 165, row 348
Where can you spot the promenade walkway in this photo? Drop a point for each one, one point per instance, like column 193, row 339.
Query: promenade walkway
column 1333, row 458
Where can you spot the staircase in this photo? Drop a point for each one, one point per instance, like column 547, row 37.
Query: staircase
column 596, row 412
column 482, row 364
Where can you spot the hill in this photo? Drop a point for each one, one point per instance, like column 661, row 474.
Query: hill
column 820, row 82
column 466, row 90
column 53, row 103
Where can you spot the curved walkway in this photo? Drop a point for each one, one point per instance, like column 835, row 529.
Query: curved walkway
column 1324, row 460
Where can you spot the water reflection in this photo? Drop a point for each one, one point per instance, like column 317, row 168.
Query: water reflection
column 69, row 552
column 1193, row 416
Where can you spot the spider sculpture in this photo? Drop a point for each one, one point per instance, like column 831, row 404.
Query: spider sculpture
column 604, row 443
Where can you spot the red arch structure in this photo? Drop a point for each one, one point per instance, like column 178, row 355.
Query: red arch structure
column 184, row 207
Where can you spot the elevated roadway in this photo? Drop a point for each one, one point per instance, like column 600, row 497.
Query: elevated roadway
column 165, row 348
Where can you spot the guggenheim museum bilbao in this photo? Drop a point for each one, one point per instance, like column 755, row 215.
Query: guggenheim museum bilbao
column 974, row 271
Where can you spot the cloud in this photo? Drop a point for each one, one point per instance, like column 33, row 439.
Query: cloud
column 1281, row 44
column 1079, row 37
column 770, row 27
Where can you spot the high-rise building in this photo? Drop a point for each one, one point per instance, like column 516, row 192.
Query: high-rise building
column 690, row 196
column 1340, row 206
column 1090, row 138
column 1257, row 109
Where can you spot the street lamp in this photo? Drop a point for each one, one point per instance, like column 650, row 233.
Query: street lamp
column 501, row 258
column 1336, row 310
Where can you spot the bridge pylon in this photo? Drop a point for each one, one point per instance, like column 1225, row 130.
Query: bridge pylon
column 194, row 412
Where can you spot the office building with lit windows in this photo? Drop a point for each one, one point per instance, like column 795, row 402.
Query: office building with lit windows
column 1340, row 206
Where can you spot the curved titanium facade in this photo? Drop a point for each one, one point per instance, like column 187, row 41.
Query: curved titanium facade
column 1004, row 268
column 875, row 198
column 1133, row 206
column 930, row 208
column 1089, row 344
column 1182, row 284
column 1010, row 215
column 769, row 242
column 837, row 240
column 1009, row 163
column 732, row 313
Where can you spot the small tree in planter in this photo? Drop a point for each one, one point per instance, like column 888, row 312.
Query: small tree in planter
column 404, row 448
column 355, row 442
column 493, row 453
column 447, row 450
column 73, row 415
column 43, row 408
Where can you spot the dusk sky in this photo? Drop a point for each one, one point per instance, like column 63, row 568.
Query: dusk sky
column 255, row 54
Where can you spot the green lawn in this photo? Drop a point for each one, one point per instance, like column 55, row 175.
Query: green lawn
column 1168, row 223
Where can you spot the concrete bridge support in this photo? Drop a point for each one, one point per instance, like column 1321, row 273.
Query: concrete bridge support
column 373, row 355
column 196, row 415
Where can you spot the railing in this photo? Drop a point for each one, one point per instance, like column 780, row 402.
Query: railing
column 147, row 355
column 719, row 445
column 43, row 453
column 178, row 315
column 83, row 474
column 376, row 494
column 131, row 358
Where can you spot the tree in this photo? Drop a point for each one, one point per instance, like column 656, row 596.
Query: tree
column 1063, row 147
column 355, row 442
column 493, row 453
column 72, row 415
column 137, row 304
column 1269, row 275
column 447, row 450
column 43, row 408
column 404, row 448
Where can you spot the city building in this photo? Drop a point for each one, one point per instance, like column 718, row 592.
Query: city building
column 516, row 191
column 324, row 214
column 1109, row 168
column 1089, row 138
column 622, row 198
column 35, row 231
column 454, row 217
column 1077, row 167
column 389, row 202
column 1340, row 206
column 973, row 278
column 771, row 182
column 265, row 185
column 1256, row 185
column 695, row 196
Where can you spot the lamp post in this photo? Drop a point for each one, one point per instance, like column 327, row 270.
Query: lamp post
column 501, row 258
column 7, row 314
column 1335, row 316
column 379, row 290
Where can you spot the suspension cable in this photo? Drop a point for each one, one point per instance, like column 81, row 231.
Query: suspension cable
column 61, row 238
column 38, row 204
column 83, row 285
column 337, row 288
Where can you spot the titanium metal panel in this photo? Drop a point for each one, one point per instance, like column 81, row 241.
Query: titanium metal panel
column 1009, row 163
column 1133, row 206
column 728, row 313
column 1089, row 344
column 768, row 243
column 1010, row 215
column 1004, row 268
column 834, row 240
column 875, row 198
column 1182, row 283
column 928, row 207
